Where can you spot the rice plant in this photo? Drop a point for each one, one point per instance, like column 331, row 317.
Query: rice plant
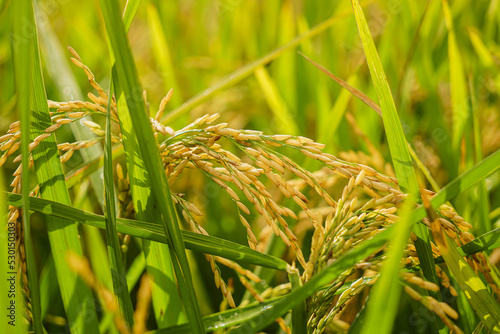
column 274, row 200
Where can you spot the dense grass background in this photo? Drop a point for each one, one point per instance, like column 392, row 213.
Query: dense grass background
column 203, row 42
column 442, row 66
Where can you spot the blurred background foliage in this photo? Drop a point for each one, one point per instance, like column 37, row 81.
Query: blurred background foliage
column 191, row 45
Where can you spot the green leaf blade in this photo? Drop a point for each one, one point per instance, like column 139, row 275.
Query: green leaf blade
column 114, row 250
column 63, row 235
column 398, row 146
column 23, row 10
column 128, row 80
column 154, row 231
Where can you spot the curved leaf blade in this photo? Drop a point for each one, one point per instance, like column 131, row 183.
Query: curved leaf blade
column 154, row 231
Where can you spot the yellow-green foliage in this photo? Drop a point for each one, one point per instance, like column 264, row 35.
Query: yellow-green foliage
column 216, row 207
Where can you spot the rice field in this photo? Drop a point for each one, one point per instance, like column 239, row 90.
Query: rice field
column 235, row 166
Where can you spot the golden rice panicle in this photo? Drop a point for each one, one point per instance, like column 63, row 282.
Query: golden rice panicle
column 203, row 153
column 252, row 239
column 203, row 120
column 442, row 310
column 160, row 128
column 126, row 205
column 283, row 325
column 238, row 269
column 458, row 229
column 413, row 279
column 14, row 219
column 325, row 307
column 332, row 312
column 10, row 142
column 219, row 281
column 163, row 105
column 316, row 246
column 3, row 159
column 348, row 224
column 188, row 209
column 445, row 281
column 79, row 63
column 243, row 275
